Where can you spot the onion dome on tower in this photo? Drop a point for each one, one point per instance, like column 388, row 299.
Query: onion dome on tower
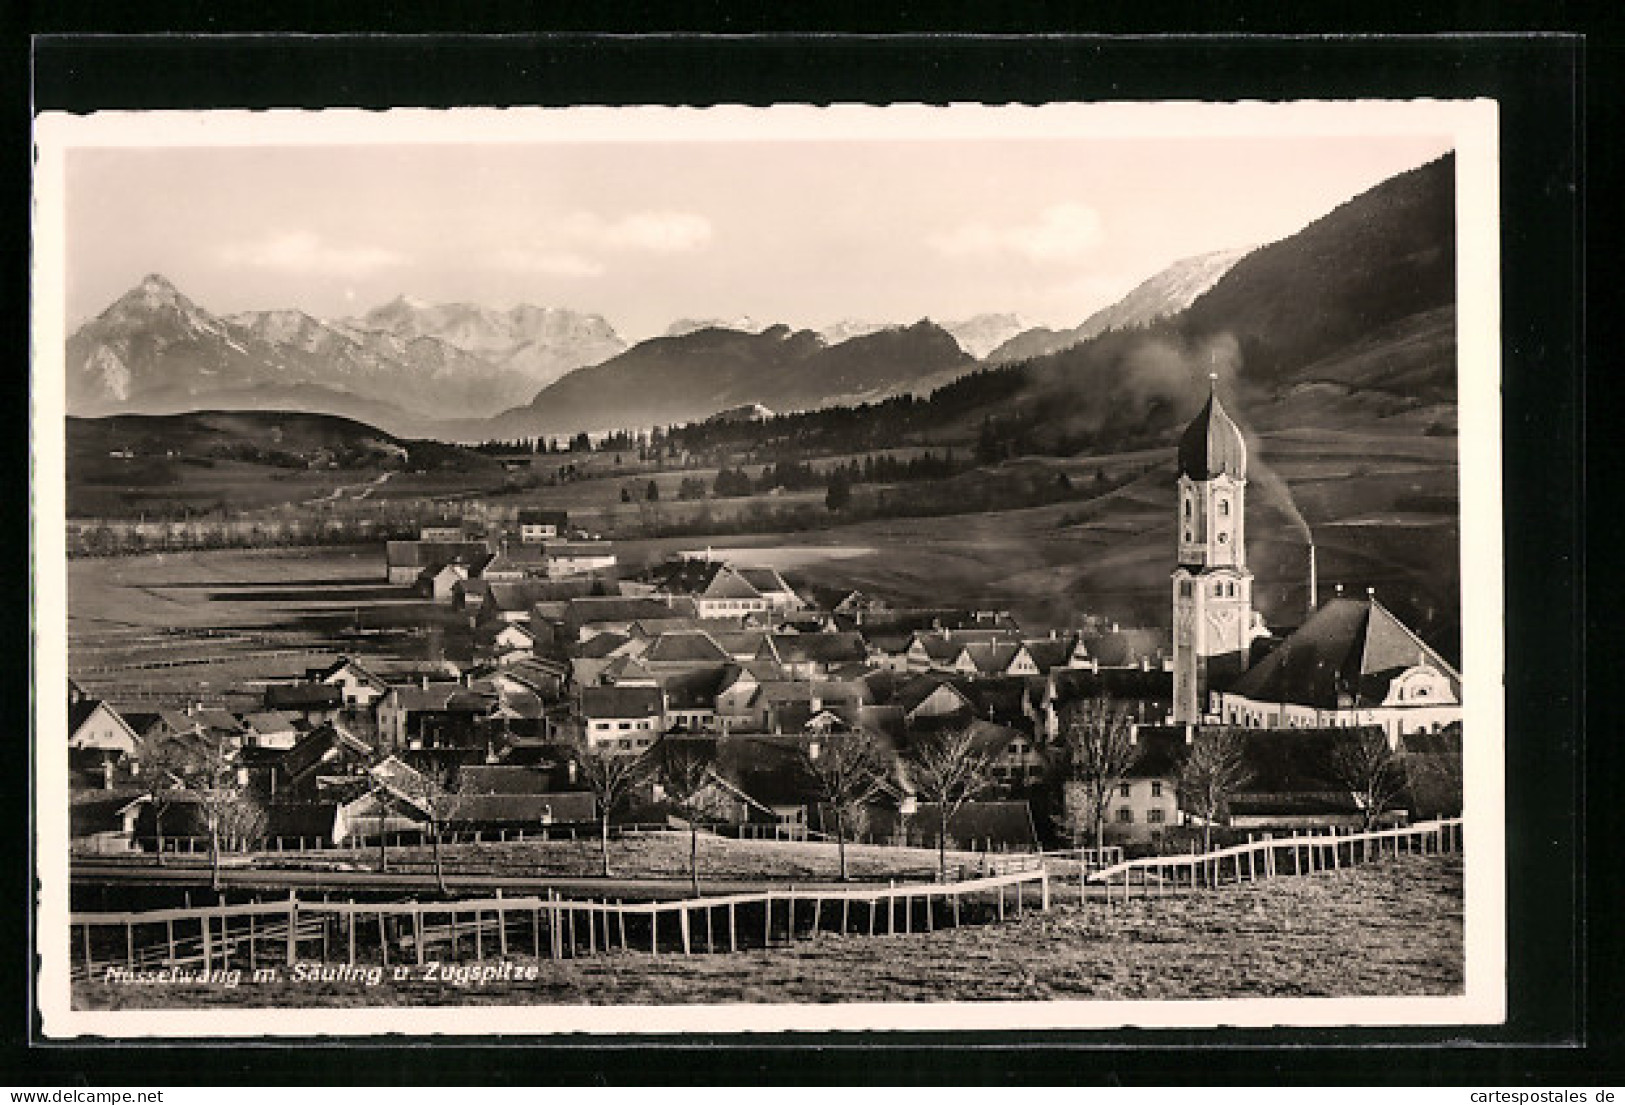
column 1212, row 444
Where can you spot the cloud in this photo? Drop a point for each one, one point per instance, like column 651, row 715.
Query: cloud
column 1061, row 232
column 303, row 251
column 548, row 262
column 642, row 231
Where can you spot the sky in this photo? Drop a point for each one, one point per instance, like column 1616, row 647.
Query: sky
column 647, row 232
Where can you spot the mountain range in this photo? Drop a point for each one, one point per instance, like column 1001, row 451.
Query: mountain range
column 401, row 365
column 694, row 375
column 1361, row 301
column 1167, row 293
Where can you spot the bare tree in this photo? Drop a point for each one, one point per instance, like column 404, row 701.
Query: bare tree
column 204, row 763
column 1097, row 742
column 1211, row 774
column 162, row 769
column 610, row 776
column 687, row 778
column 1364, row 763
column 845, row 770
column 413, row 788
column 949, row 769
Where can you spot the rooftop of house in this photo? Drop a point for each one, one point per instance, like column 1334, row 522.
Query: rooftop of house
column 1347, row 654
column 685, row 648
column 621, row 702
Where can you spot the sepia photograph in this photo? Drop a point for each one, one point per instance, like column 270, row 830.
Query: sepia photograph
column 756, row 569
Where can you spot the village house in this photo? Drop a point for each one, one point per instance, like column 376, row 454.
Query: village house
column 1352, row 663
column 622, row 718
column 585, row 617
column 428, row 716
column 1145, row 804
column 439, row 582
column 327, row 759
column 516, row 563
column 542, row 525
column 445, row 529
column 272, row 729
column 358, row 685
column 99, row 738
column 314, row 702
column 680, row 652
column 567, row 559
column 717, row 589
column 1118, row 648
column 405, row 561
column 810, row 655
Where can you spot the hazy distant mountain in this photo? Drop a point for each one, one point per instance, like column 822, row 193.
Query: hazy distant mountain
column 744, row 324
column 535, row 344
column 695, row 375
column 982, row 334
column 848, row 328
column 156, row 351
column 1167, row 293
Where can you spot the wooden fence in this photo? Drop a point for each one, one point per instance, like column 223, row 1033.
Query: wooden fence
column 1268, row 857
column 266, row 935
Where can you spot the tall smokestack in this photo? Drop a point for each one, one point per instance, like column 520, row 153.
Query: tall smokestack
column 1314, row 583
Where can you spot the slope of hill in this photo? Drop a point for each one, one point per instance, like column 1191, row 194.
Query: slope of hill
column 695, row 375
column 1167, row 293
column 156, row 351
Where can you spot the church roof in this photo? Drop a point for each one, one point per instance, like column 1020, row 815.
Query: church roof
column 1212, row 444
column 1350, row 649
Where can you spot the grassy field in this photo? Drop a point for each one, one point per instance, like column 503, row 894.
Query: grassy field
column 1390, row 928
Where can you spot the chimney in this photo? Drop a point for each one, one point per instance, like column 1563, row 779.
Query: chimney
column 1314, row 582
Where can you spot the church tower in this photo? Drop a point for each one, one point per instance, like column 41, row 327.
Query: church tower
column 1213, row 590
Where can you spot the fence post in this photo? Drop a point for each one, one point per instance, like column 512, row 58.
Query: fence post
column 682, row 927
column 293, row 923
column 620, row 921
column 1044, row 883
column 818, row 909
column 169, row 939
column 502, row 925
column 417, row 931
column 383, row 939
column 733, row 931
column 349, row 925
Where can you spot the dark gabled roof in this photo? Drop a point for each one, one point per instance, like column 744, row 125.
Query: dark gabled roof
column 1050, row 652
column 424, row 554
column 270, row 721
column 772, row 770
column 1160, row 752
column 696, row 689
column 531, row 517
column 522, row 810
column 303, row 696
column 683, row 576
column 763, row 579
column 1000, row 699
column 79, row 712
column 314, row 746
column 518, row 557
column 1345, row 655
column 599, row 645
column 443, row 697
column 501, row 779
column 991, row 657
column 938, row 646
column 517, row 596
column 536, row 671
column 912, row 694
column 1121, row 648
column 685, row 648
column 820, row 648
column 620, row 702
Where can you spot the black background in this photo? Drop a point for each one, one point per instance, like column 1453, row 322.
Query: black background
column 1565, row 1020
